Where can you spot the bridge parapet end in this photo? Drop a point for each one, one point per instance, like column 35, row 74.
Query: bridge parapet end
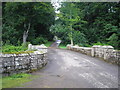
column 68, row 46
column 41, row 47
column 107, row 51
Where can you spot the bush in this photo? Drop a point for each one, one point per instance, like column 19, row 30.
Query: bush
column 87, row 45
column 11, row 48
column 7, row 42
column 114, row 41
column 79, row 38
column 99, row 43
column 40, row 40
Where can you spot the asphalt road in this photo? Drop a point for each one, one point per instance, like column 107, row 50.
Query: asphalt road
column 69, row 69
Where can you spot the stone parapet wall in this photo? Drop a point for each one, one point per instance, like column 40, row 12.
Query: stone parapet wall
column 12, row 63
column 84, row 50
column 105, row 52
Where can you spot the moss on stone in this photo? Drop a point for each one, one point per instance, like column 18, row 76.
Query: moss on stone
column 22, row 52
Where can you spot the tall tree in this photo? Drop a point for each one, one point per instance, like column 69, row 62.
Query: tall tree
column 70, row 17
column 25, row 17
column 103, row 21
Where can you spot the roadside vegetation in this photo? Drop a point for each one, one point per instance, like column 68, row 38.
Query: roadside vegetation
column 12, row 48
column 63, row 46
column 48, row 43
column 16, row 80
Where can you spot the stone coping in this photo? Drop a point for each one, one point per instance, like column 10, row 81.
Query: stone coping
column 98, row 46
column 22, row 54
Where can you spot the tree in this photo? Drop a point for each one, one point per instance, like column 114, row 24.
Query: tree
column 61, row 32
column 69, row 15
column 102, row 20
column 27, row 19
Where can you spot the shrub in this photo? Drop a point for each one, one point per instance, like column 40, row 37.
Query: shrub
column 99, row 43
column 79, row 38
column 114, row 41
column 7, row 42
column 11, row 48
column 40, row 40
column 87, row 45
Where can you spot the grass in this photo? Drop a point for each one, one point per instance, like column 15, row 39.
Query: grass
column 62, row 46
column 48, row 44
column 16, row 80
column 19, row 52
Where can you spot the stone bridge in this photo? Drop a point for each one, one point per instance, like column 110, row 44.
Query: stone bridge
column 77, row 67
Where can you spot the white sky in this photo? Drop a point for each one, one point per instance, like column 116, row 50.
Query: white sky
column 56, row 4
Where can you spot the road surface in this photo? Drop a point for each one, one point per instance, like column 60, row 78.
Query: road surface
column 69, row 69
column 56, row 43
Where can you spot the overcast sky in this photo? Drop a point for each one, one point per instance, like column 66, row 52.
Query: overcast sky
column 56, row 5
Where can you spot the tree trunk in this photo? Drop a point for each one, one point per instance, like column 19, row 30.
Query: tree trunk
column 71, row 36
column 25, row 34
column 71, row 30
column 24, row 37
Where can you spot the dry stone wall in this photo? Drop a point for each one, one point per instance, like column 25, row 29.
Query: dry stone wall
column 105, row 52
column 12, row 63
column 25, row 62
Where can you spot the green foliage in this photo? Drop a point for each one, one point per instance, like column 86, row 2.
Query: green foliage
column 84, row 23
column 61, row 31
column 113, row 40
column 18, row 15
column 40, row 40
column 18, row 43
column 70, row 18
column 16, row 80
column 57, row 29
column 12, row 49
column 79, row 38
column 99, row 43
column 94, row 22
column 7, row 42
column 102, row 21
column 63, row 46
column 110, row 28
column 48, row 44
column 87, row 45
column 9, row 35
column 20, row 52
